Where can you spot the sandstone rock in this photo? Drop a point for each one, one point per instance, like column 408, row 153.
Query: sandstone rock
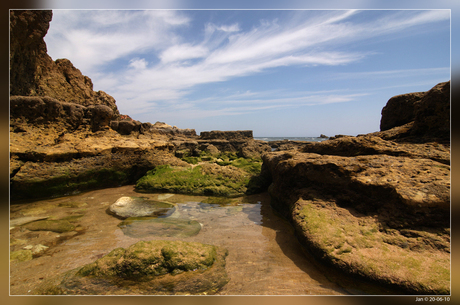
column 400, row 110
column 147, row 268
column 429, row 111
column 254, row 149
column 34, row 73
column 126, row 207
column 374, row 145
column 101, row 116
column 432, row 118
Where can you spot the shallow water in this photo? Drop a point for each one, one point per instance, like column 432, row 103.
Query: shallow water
column 264, row 256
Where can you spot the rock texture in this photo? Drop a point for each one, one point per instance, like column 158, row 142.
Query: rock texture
column 378, row 205
column 147, row 268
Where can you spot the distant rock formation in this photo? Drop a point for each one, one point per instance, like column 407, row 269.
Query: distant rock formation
column 226, row 135
column 34, row 73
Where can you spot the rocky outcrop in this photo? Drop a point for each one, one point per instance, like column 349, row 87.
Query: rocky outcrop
column 46, row 111
column 378, row 205
column 226, row 135
column 34, row 73
column 400, row 110
column 419, row 117
column 147, row 268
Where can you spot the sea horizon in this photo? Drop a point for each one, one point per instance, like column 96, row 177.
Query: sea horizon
column 306, row 139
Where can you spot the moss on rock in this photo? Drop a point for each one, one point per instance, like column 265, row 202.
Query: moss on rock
column 227, row 178
column 147, row 267
column 58, row 226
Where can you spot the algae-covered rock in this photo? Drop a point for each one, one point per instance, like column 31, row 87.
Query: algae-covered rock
column 21, row 255
column 58, row 226
column 126, row 207
column 147, row 267
column 140, row 227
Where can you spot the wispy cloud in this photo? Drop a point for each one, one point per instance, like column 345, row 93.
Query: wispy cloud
column 404, row 73
column 159, row 65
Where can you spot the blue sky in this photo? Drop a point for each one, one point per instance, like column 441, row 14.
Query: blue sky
column 276, row 72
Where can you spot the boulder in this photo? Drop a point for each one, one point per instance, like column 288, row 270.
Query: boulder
column 126, row 207
column 147, row 268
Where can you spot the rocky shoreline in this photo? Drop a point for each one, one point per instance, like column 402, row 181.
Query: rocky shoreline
column 375, row 206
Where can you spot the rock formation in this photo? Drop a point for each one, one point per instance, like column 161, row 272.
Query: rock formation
column 147, row 268
column 375, row 206
column 420, row 116
column 34, row 73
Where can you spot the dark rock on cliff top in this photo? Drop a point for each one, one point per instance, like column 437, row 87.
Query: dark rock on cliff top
column 400, row 110
column 34, row 73
column 418, row 117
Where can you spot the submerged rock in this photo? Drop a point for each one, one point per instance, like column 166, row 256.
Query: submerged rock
column 58, row 226
column 147, row 268
column 140, row 227
column 126, row 207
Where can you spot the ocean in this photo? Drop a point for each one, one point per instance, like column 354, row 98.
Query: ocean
column 307, row 139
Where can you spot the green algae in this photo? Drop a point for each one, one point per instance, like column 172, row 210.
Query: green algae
column 58, row 226
column 146, row 268
column 21, row 255
column 237, row 178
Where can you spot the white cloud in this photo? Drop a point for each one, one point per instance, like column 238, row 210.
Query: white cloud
column 183, row 52
column 163, row 65
column 138, row 63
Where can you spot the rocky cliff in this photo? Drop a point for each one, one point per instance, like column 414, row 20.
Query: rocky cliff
column 34, row 73
column 376, row 206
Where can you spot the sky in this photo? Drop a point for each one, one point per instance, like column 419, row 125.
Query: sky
column 276, row 72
